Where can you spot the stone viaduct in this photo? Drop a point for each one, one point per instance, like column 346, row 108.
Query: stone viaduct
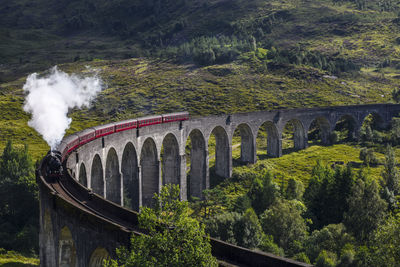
column 127, row 168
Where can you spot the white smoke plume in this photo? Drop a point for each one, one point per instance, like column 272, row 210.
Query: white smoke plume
column 49, row 99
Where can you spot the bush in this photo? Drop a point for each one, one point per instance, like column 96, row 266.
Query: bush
column 368, row 157
column 284, row 222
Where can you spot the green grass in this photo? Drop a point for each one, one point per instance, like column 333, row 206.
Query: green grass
column 12, row 258
column 299, row 164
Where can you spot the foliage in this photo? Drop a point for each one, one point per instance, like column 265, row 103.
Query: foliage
column 173, row 237
column 326, row 259
column 268, row 245
column 240, row 229
column 12, row 258
column 19, row 223
column 263, row 192
column 332, row 238
column 326, row 194
column 390, row 179
column 368, row 157
column 366, row 209
column 294, row 189
column 385, row 243
column 284, row 222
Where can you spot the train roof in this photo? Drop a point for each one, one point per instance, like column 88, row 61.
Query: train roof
column 149, row 117
column 104, row 126
column 86, row 131
column 176, row 113
column 126, row 121
column 65, row 141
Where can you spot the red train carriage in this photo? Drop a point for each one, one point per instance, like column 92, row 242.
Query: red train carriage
column 86, row 136
column 126, row 125
column 104, row 130
column 178, row 116
column 68, row 144
column 73, row 141
column 146, row 121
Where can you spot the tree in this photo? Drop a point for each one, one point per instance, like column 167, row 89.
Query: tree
column 390, row 174
column 366, row 208
column 386, row 243
column 390, row 179
column 263, row 192
column 174, row 239
column 19, row 224
column 396, row 95
column 327, row 193
column 294, row 189
column 368, row 157
column 239, row 229
column 284, row 222
column 332, row 238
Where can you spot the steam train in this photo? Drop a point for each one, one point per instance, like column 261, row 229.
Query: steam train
column 75, row 140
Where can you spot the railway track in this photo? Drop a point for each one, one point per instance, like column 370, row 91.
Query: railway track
column 69, row 190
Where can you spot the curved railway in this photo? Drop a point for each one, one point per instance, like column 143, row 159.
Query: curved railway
column 63, row 188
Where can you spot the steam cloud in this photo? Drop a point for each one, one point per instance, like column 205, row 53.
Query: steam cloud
column 49, row 98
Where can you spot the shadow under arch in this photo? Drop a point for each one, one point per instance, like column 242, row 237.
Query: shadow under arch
column 98, row 256
column 346, row 128
column 269, row 133
column 150, row 171
column 197, row 178
column 295, row 128
column 247, row 144
column 319, row 129
column 66, row 249
column 130, row 175
column 170, row 160
column 222, row 152
column 113, row 177
column 375, row 121
column 97, row 182
column 82, row 175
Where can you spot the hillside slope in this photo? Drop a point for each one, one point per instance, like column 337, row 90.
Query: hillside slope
column 36, row 35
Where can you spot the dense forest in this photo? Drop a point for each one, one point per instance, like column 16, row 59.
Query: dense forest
column 332, row 205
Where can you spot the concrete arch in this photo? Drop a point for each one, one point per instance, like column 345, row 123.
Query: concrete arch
column 97, row 177
column 223, row 157
column 378, row 121
column 198, row 172
column 130, row 175
column 351, row 124
column 247, row 144
column 150, row 169
column 324, row 127
column 83, row 175
column 299, row 134
column 113, row 177
column 170, row 160
column 274, row 144
column 98, row 256
column 66, row 249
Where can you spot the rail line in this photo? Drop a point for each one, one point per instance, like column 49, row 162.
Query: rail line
column 67, row 189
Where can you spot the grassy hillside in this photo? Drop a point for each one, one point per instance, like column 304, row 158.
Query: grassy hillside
column 36, row 35
column 204, row 56
column 138, row 87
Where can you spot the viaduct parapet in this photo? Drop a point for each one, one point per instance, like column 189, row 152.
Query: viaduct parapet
column 127, row 168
